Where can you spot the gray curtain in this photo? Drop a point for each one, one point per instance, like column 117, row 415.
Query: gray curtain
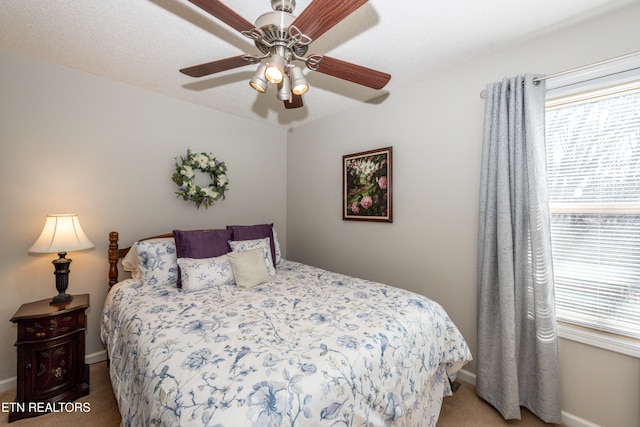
column 517, row 358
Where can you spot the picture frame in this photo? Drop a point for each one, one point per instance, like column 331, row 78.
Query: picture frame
column 367, row 179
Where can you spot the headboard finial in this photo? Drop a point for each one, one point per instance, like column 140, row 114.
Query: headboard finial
column 114, row 255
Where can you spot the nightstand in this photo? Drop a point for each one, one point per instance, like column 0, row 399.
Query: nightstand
column 51, row 347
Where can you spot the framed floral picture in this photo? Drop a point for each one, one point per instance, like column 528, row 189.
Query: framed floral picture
column 366, row 182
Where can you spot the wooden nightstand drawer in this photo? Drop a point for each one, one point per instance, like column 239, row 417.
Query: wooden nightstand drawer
column 49, row 328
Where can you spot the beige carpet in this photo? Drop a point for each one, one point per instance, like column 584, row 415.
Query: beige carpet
column 466, row 409
column 463, row 409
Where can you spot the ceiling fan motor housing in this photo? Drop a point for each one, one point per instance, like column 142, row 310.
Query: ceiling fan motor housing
column 275, row 26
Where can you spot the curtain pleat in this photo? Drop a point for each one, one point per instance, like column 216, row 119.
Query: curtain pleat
column 517, row 358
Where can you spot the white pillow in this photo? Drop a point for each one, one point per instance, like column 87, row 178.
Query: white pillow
column 130, row 263
column 249, row 268
column 201, row 273
column 276, row 244
column 157, row 262
column 264, row 244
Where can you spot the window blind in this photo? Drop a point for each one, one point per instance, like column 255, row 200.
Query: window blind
column 593, row 162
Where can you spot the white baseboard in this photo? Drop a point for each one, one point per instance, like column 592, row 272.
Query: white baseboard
column 466, row 376
column 99, row 356
column 8, row 384
column 568, row 419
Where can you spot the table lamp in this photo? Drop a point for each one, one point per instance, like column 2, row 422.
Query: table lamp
column 61, row 234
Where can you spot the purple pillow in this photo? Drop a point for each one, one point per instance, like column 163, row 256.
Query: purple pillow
column 201, row 244
column 252, row 232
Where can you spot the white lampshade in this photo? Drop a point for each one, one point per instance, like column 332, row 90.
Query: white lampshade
column 61, row 233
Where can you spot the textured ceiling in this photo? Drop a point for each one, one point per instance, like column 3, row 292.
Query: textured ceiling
column 145, row 42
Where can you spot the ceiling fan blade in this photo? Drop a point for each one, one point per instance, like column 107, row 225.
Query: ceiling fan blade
column 224, row 13
column 215, row 66
column 321, row 15
column 294, row 102
column 353, row 73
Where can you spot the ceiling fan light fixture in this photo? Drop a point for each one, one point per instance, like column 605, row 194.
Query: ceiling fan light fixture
column 299, row 84
column 275, row 70
column 258, row 81
column 284, row 89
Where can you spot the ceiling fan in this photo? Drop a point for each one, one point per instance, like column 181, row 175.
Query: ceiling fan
column 283, row 38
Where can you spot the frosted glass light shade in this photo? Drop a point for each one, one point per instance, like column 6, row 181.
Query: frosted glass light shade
column 61, row 233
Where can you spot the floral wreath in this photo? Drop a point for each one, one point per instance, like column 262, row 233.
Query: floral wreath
column 206, row 163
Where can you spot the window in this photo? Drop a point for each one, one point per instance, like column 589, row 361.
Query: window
column 593, row 163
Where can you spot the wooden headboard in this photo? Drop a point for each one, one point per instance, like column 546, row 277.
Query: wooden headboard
column 115, row 253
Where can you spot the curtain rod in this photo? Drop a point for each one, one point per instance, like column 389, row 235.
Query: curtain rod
column 483, row 93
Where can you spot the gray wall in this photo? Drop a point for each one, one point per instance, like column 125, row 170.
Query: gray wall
column 435, row 129
column 75, row 143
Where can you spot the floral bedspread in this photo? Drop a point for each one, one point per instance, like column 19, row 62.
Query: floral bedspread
column 311, row 348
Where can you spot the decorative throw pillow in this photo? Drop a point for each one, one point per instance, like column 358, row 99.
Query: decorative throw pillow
column 246, row 245
column 201, row 244
column 252, row 232
column 202, row 273
column 130, row 260
column 249, row 268
column 157, row 262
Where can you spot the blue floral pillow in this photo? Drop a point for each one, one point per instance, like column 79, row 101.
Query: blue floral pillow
column 157, row 262
column 265, row 244
column 204, row 272
column 130, row 260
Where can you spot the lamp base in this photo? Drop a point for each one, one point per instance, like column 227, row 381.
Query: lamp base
column 61, row 266
column 61, row 299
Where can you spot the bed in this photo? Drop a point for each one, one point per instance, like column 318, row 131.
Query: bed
column 306, row 347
